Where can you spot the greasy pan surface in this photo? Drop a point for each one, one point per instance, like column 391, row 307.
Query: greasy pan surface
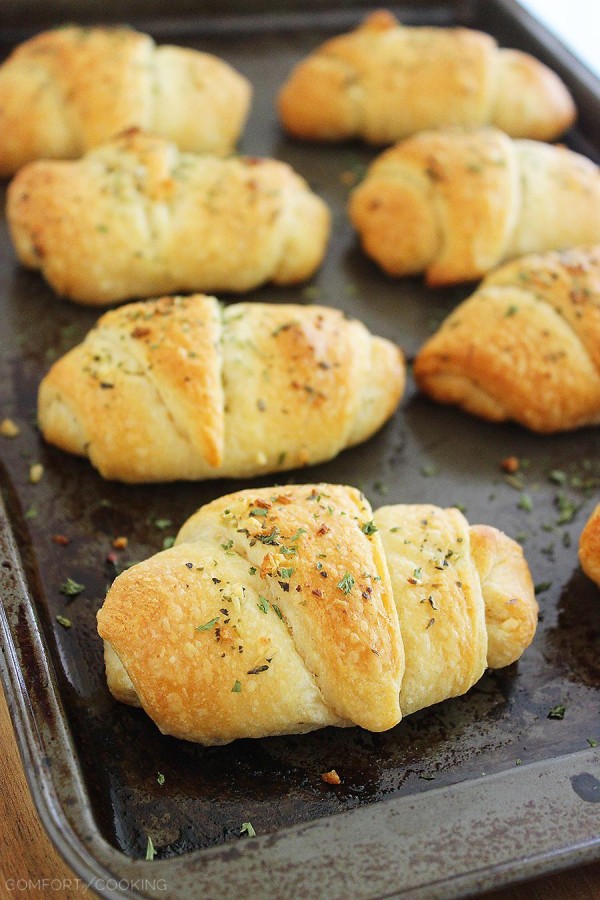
column 426, row 454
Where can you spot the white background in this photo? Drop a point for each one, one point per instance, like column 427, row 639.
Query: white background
column 575, row 22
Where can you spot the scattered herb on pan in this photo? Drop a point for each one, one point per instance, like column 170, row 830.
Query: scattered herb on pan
column 62, row 620
column 428, row 471
column 247, row 829
column 427, row 777
column 525, row 502
column 380, row 487
column 150, row 851
column 31, row 513
column 566, row 508
column 160, row 778
column 168, row 542
column 558, row 711
column 592, row 742
column 161, row 524
column 542, row 586
column 71, row 588
column 312, row 292
column 557, row 476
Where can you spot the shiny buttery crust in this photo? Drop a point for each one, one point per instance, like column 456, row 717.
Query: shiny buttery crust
column 137, row 218
column 384, row 82
column 589, row 547
column 281, row 610
column 525, row 346
column 454, row 204
column 68, row 90
column 184, row 388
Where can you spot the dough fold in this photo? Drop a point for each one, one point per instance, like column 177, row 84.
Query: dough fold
column 183, row 388
column 70, row 89
column 525, row 346
column 281, row 610
column 383, row 82
column 137, row 218
column 454, row 204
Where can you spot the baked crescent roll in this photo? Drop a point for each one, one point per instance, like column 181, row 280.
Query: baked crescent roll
column 525, row 346
column 282, row 610
column 182, row 388
column 68, row 90
column 454, row 204
column 384, row 82
column 137, row 218
column 589, row 547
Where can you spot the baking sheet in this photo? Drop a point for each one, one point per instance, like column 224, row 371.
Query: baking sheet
column 460, row 769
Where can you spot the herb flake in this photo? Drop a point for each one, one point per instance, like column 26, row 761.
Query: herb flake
column 208, row 625
column 71, row 588
column 347, row 583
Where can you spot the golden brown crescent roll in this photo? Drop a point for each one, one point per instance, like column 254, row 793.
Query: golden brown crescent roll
column 182, row 388
column 68, row 90
column 384, row 82
column 454, row 204
column 589, row 547
column 282, row 610
column 137, row 218
column 525, row 346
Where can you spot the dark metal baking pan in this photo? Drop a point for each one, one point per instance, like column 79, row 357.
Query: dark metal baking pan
column 478, row 791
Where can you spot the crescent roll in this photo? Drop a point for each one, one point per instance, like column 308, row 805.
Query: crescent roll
column 454, row 204
column 182, row 388
column 282, row 610
column 589, row 547
column 384, row 82
column 137, row 218
column 65, row 91
column 525, row 346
